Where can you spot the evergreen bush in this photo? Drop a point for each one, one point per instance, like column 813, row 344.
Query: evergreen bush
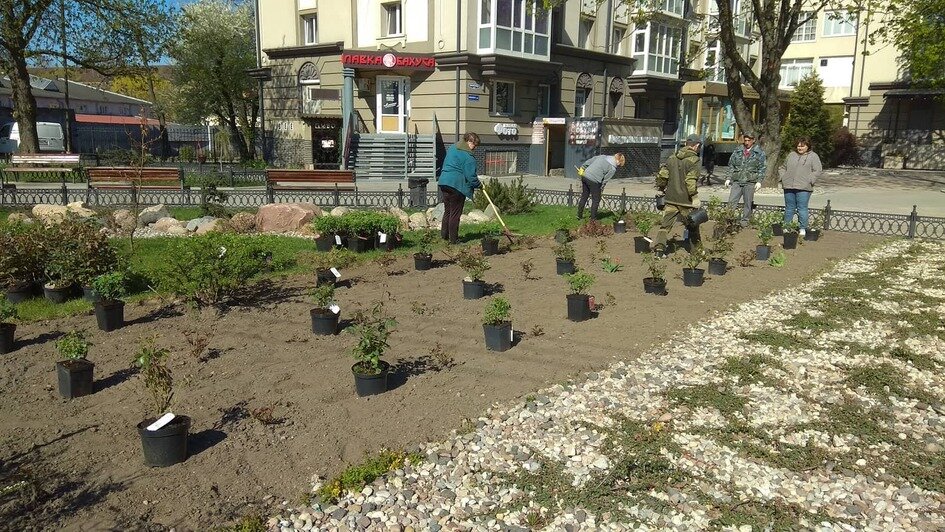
column 809, row 117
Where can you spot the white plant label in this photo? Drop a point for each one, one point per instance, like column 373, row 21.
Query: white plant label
column 336, row 272
column 382, row 237
column 335, row 308
column 511, row 335
column 648, row 239
column 161, row 421
column 338, row 239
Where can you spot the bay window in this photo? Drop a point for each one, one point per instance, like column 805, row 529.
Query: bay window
column 662, row 45
column 514, row 27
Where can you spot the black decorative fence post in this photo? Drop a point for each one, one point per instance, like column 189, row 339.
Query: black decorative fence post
column 827, row 211
column 400, row 195
column 623, row 200
column 913, row 222
column 570, row 195
column 337, row 196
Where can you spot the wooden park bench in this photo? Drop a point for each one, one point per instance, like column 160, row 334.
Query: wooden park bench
column 55, row 166
column 308, row 180
column 133, row 179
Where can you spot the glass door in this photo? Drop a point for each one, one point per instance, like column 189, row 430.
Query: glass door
column 392, row 104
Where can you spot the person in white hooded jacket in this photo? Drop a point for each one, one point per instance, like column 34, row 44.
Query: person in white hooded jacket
column 595, row 172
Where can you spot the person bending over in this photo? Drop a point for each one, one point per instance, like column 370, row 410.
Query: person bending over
column 594, row 175
column 458, row 181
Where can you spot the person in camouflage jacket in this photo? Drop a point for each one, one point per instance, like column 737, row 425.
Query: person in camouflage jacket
column 747, row 166
column 678, row 181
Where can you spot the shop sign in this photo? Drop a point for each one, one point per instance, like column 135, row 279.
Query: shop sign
column 583, row 132
column 506, row 129
column 554, row 120
column 387, row 60
column 631, row 139
column 475, row 86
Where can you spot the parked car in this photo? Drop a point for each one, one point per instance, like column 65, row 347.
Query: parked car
column 51, row 138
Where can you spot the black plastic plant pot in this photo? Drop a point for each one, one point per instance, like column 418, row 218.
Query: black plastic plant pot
column 19, row 292
column 490, row 246
column 57, row 295
column 167, row 445
column 790, row 240
column 562, row 236
column 693, row 276
column 389, row 243
column 422, row 262
column 7, row 338
column 762, row 252
column 324, row 321
column 360, row 244
column 75, row 378
column 370, row 383
column 777, row 229
column 564, row 267
column 620, row 226
column 325, row 243
column 640, row 245
column 324, row 277
column 498, row 337
column 579, row 307
column 473, row 289
column 717, row 266
column 812, row 235
column 110, row 315
column 651, row 285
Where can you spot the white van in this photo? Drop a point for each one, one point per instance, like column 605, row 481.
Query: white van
column 51, row 138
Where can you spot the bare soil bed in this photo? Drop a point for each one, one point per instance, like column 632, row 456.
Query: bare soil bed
column 85, row 454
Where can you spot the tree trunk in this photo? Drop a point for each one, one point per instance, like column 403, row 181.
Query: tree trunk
column 236, row 134
column 771, row 136
column 24, row 106
column 162, row 118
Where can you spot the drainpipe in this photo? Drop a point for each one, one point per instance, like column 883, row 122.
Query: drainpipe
column 608, row 27
column 459, row 35
column 262, row 100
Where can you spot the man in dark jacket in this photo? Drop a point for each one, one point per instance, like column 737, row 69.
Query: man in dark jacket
column 678, row 181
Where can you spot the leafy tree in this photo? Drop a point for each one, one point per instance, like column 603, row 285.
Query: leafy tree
column 918, row 31
column 212, row 52
column 809, row 118
column 96, row 33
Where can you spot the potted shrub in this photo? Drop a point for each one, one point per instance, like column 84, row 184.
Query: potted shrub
column 370, row 372
column 62, row 263
column 579, row 303
column 497, row 324
column 361, row 228
column 7, row 329
column 109, row 308
column 656, row 266
column 564, row 258
column 95, row 256
column 22, row 259
column 763, row 224
column 74, row 371
column 327, row 265
column 490, row 238
column 474, row 265
column 388, row 232
column 790, row 234
column 423, row 258
column 644, row 222
column 328, row 228
column 325, row 314
column 693, row 275
column 727, row 220
column 815, row 227
column 163, row 436
column 777, row 228
column 562, row 230
column 718, row 253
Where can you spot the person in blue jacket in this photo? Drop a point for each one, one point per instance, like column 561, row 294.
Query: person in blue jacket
column 457, row 182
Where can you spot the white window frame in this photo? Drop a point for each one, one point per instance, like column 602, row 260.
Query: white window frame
column 403, row 103
column 663, row 50
column 844, row 26
column 522, row 33
column 715, row 68
column 310, row 29
column 584, row 110
column 493, row 99
column 619, row 34
column 674, row 7
column 307, row 85
column 807, row 31
column 544, row 101
column 393, row 19
column 795, row 69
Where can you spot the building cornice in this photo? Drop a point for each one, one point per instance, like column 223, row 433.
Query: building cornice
column 856, row 100
column 581, row 53
column 312, row 50
column 498, row 65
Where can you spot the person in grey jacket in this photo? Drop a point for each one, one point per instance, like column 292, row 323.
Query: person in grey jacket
column 798, row 174
column 594, row 175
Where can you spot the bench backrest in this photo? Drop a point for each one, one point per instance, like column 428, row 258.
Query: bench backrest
column 100, row 174
column 309, row 176
column 58, row 159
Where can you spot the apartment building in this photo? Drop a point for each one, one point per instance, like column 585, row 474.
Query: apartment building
column 866, row 80
column 542, row 89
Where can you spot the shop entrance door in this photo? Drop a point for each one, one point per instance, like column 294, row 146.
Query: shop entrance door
column 326, row 143
column 393, row 101
column 555, row 145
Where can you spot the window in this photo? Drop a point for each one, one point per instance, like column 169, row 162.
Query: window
column 670, row 115
column 675, row 7
column 503, row 98
column 393, row 19
column 582, row 96
column 792, row 70
column 309, row 84
column 664, row 44
column 641, row 107
column 616, row 41
column 514, row 27
column 807, row 31
column 715, row 71
column 585, row 33
column 615, row 98
column 544, row 100
column 639, row 41
column 838, row 24
column 310, row 29
column 501, row 162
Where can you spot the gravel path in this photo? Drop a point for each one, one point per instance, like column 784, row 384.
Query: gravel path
column 818, row 407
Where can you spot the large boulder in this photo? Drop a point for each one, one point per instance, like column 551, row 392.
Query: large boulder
column 401, row 215
column 162, row 225
column 435, row 214
column 49, row 213
column 149, row 215
column 418, row 220
column 285, row 217
column 243, row 222
column 197, row 223
column 77, row 208
column 477, row 217
column 464, row 219
column 124, row 221
column 214, row 225
column 339, row 211
column 176, row 230
column 19, row 217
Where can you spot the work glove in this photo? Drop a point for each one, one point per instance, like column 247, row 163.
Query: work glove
column 757, row 187
column 581, row 172
column 728, row 182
